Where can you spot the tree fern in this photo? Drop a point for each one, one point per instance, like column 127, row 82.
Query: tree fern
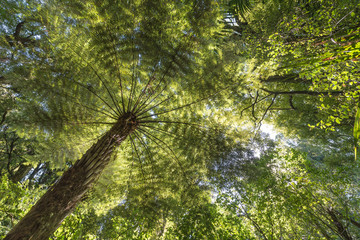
column 127, row 70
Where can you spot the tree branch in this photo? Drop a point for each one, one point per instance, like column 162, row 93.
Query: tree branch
column 18, row 29
column 302, row 92
column 291, row 102
column 16, row 38
column 355, row 223
column 340, row 227
column 290, row 78
column 3, row 118
column 267, row 109
column 254, row 104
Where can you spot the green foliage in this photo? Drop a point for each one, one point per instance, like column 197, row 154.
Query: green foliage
column 206, row 222
column 322, row 45
column 198, row 168
column 15, row 200
column 292, row 199
column 79, row 225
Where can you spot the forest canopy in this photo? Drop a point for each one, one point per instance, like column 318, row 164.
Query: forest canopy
column 142, row 119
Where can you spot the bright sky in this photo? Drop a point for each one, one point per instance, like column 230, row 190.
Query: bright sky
column 269, row 129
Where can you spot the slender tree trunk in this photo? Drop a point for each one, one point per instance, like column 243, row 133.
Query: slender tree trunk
column 61, row 199
column 355, row 223
column 21, row 173
column 340, row 227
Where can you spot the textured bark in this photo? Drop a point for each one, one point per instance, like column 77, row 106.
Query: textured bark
column 60, row 200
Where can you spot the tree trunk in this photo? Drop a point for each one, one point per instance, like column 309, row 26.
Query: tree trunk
column 342, row 231
column 22, row 171
column 60, row 200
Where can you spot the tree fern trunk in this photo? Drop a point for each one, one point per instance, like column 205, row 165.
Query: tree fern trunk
column 61, row 199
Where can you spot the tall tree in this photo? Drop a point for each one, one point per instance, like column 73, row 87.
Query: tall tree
column 121, row 64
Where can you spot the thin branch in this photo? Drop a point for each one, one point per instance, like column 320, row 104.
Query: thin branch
column 291, row 102
column 152, row 107
column 90, row 89
column 133, row 82
column 102, row 81
column 3, row 118
column 18, row 29
column 253, row 106
column 142, row 92
column 290, row 78
column 171, row 122
column 253, row 221
column 159, row 129
column 141, row 168
column 267, row 109
column 355, row 223
column 118, row 70
column 186, row 105
column 103, row 111
column 323, row 231
column 16, row 38
column 302, row 92
column 151, row 136
column 147, row 101
column 161, row 79
column 138, row 100
column 341, row 20
column 105, row 123
column 323, row 222
column 147, row 150
column 340, row 227
column 241, row 113
column 280, row 109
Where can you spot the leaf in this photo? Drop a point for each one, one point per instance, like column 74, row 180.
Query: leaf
column 240, row 6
